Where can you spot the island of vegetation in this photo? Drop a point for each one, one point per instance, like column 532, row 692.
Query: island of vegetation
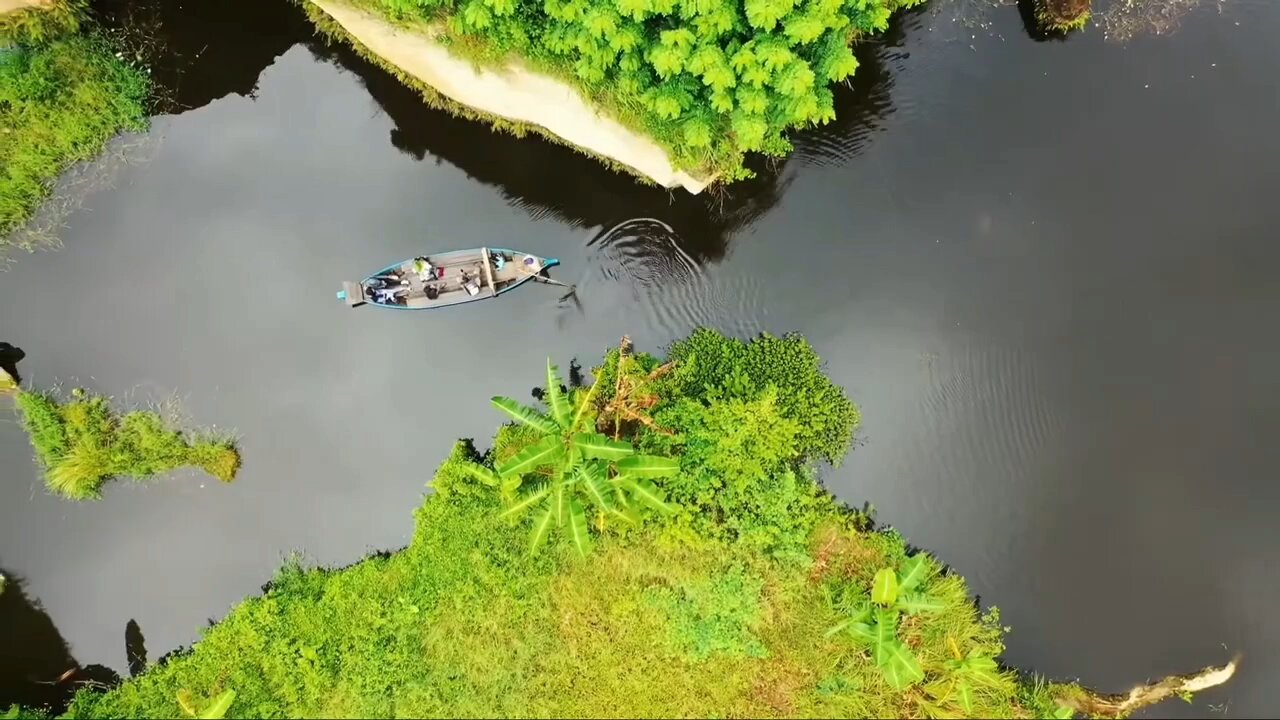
column 654, row 544
column 64, row 92
column 81, row 443
column 709, row 82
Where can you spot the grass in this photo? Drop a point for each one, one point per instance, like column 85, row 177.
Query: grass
column 81, row 444
column 38, row 25
column 464, row 623
column 60, row 103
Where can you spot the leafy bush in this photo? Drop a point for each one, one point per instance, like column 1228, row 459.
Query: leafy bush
column 37, row 25
column 739, row 477
column 715, row 367
column 710, row 80
column 81, row 444
column 59, row 103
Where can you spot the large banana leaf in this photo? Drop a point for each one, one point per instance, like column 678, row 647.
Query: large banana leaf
column 916, row 603
column 583, row 407
column 856, row 623
column 526, row 415
column 648, row 466
column 884, row 632
column 595, row 445
column 647, row 494
column 219, row 707
column 591, row 478
column 899, row 666
column 544, row 452
column 884, row 588
column 964, row 696
column 915, row 571
column 556, row 400
column 560, row 501
column 481, row 473
column 541, row 529
column 525, row 502
column 578, row 531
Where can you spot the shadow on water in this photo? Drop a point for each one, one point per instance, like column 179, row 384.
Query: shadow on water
column 202, row 50
column 10, row 356
column 37, row 669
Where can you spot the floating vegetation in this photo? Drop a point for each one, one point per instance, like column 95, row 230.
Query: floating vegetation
column 82, row 443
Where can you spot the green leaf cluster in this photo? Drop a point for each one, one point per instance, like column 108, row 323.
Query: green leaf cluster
column 569, row 468
column 711, row 80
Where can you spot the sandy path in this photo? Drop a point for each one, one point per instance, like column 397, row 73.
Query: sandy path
column 8, row 6
column 513, row 93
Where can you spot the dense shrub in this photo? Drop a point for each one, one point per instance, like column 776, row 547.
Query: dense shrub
column 715, row 367
column 710, row 80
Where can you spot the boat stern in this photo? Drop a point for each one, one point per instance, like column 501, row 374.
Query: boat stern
column 352, row 293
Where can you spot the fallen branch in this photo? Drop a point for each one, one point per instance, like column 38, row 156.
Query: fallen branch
column 1095, row 704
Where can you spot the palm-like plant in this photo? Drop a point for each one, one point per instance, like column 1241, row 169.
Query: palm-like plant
column 570, row 469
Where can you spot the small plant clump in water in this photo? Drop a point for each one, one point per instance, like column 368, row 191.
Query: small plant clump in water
column 82, row 443
column 664, row 618
column 1063, row 15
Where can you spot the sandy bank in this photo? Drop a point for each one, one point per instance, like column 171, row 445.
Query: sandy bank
column 514, row 93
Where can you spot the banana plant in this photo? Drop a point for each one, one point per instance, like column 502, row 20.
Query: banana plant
column 874, row 622
column 215, row 709
column 571, row 468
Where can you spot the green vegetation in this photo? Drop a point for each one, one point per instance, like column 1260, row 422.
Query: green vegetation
column 1063, row 15
column 60, row 102
column 81, row 444
column 665, row 617
column 37, row 25
column 710, row 81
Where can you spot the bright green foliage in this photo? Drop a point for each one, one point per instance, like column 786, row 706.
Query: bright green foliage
column 82, row 443
column 740, row 476
column 34, row 26
column 19, row 713
column 663, row 621
column 717, row 367
column 710, row 80
column 715, row 616
column 567, row 466
column 59, row 103
column 215, row 709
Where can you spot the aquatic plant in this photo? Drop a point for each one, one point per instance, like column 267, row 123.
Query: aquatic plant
column 81, row 444
column 662, row 621
column 709, row 81
column 60, row 103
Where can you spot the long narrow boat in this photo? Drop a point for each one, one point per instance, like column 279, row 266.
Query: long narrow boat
column 444, row 279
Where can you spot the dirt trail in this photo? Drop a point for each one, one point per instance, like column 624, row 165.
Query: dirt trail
column 8, row 6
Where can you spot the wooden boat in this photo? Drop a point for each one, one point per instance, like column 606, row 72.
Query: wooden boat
column 444, row 279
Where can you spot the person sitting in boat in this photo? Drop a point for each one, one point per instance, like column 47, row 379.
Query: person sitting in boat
column 387, row 296
column 498, row 260
column 424, row 268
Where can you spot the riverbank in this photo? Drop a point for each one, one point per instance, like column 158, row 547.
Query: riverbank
column 680, row 107
column 62, row 98
column 734, row 585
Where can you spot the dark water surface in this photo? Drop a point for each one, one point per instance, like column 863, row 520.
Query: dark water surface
column 1046, row 270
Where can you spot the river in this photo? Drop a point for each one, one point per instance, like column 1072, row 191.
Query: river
column 1044, row 269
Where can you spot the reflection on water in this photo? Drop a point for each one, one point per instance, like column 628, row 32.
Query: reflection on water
column 202, row 50
column 36, row 666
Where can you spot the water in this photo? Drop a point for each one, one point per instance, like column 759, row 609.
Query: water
column 1042, row 268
